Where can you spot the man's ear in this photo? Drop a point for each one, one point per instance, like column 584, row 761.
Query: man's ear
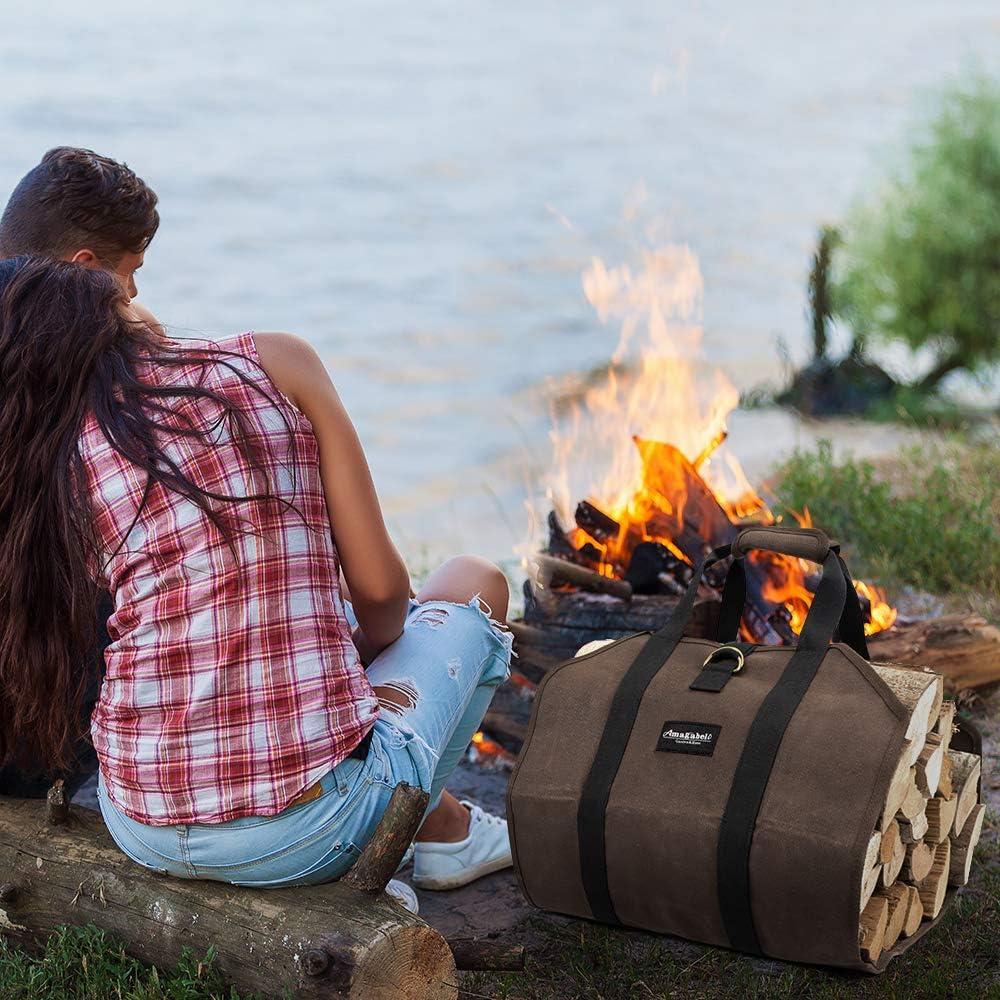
column 85, row 257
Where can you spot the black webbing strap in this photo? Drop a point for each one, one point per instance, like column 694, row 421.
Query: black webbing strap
column 614, row 739
column 851, row 629
column 759, row 752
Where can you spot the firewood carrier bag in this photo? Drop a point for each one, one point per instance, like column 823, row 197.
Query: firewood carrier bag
column 717, row 791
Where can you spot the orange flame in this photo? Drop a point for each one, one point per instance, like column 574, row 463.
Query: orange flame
column 657, row 389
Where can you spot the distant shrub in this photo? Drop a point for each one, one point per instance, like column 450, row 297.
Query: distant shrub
column 920, row 261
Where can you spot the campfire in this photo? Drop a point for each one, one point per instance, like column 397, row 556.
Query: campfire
column 672, row 522
column 668, row 490
column 643, row 485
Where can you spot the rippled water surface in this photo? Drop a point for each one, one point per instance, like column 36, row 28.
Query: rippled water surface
column 416, row 188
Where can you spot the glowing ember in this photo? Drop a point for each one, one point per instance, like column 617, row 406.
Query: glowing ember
column 690, row 494
column 490, row 754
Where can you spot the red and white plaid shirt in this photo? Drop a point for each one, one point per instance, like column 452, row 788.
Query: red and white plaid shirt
column 225, row 695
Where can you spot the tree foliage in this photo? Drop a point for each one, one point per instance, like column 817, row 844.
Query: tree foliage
column 921, row 260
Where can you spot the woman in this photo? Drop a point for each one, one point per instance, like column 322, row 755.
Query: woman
column 217, row 490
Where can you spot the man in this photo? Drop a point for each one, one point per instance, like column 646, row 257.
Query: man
column 84, row 208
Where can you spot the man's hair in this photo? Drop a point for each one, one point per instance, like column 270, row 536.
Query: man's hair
column 76, row 199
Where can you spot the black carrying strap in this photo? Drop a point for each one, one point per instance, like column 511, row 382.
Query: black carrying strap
column 753, row 769
column 760, row 750
column 850, row 629
column 614, row 739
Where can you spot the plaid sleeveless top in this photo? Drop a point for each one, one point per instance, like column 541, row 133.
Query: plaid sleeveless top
column 226, row 693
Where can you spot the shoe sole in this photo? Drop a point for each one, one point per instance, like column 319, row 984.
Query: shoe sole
column 464, row 877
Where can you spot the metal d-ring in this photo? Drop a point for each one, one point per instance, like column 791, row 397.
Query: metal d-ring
column 733, row 651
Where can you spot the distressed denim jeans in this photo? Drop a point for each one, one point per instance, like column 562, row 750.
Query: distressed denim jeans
column 442, row 671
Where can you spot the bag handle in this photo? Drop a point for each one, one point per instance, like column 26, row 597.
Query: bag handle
column 833, row 598
column 802, row 543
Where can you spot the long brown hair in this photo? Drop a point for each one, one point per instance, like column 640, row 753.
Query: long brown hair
column 66, row 348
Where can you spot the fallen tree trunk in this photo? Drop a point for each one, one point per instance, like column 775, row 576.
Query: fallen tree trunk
column 325, row 941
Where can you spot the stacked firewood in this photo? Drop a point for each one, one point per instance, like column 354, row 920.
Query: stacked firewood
column 930, row 823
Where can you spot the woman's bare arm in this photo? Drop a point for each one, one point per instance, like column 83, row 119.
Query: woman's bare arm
column 375, row 572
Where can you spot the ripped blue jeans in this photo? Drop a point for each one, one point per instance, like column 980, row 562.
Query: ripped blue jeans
column 442, row 672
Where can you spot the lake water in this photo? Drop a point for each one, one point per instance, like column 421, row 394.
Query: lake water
column 416, row 188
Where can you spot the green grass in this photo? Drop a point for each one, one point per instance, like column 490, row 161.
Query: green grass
column 84, row 963
column 929, row 518
column 579, row 961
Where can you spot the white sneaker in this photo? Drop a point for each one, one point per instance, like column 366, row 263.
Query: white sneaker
column 401, row 893
column 447, row 866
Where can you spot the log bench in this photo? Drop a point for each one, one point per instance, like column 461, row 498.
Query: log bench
column 347, row 939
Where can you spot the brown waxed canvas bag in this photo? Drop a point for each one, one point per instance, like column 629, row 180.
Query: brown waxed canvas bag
column 717, row 791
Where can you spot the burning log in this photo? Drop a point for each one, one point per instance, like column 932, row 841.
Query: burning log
column 490, row 754
column 653, row 567
column 509, row 731
column 595, row 522
column 551, row 572
column 562, row 548
column 692, row 518
column 673, row 519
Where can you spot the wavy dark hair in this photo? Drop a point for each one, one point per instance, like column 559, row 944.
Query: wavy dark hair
column 66, row 349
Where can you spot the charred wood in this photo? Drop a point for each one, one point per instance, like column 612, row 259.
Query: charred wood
column 595, row 522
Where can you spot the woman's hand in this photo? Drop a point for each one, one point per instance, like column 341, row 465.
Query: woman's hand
column 375, row 572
